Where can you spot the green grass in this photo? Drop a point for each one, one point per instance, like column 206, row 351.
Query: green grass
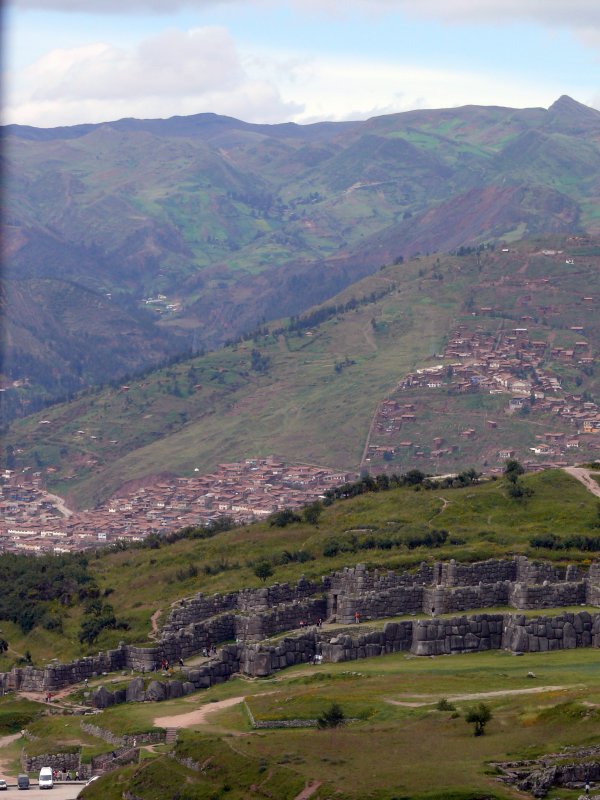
column 381, row 754
column 17, row 713
column 63, row 734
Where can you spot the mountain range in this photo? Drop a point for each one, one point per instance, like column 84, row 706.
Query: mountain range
column 130, row 243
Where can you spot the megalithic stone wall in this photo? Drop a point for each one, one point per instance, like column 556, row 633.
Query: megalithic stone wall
column 561, row 632
column 254, row 614
column 436, row 637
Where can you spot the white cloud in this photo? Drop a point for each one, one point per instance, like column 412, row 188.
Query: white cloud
column 572, row 14
column 175, row 72
column 375, row 88
column 116, row 6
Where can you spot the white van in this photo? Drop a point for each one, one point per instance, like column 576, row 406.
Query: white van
column 45, row 780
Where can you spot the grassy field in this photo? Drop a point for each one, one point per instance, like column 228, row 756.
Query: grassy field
column 397, row 743
column 389, row 750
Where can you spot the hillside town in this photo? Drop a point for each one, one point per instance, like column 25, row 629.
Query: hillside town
column 509, row 363
column 34, row 521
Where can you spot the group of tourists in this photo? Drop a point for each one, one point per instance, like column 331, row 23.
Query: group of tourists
column 66, row 775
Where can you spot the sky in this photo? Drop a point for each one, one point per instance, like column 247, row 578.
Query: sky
column 73, row 61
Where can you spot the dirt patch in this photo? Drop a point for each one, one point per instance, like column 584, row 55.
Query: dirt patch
column 4, row 742
column 308, row 792
column 196, row 717
column 154, row 622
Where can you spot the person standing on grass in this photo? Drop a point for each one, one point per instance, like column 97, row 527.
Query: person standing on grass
column 357, row 617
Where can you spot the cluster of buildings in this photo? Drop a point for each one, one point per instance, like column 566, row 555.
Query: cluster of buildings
column 508, row 362
column 33, row 521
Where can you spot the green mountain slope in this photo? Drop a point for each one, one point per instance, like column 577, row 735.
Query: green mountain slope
column 309, row 389
column 232, row 223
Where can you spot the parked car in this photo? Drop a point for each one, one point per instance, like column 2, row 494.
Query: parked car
column 3, row 786
column 23, row 781
column 45, row 780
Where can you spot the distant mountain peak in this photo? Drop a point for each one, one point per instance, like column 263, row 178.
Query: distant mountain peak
column 567, row 108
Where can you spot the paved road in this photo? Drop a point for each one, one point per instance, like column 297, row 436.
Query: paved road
column 61, row 791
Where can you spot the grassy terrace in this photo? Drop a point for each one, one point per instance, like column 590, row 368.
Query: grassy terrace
column 482, row 522
column 399, row 739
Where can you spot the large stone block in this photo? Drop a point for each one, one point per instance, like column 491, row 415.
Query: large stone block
column 135, row 691
column 156, row 691
column 102, row 698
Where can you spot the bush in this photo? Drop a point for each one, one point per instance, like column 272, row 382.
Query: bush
column 263, row 570
column 191, row 571
column 284, row 517
column 479, row 718
column 333, row 717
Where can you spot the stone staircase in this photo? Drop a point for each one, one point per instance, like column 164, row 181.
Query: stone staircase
column 171, row 736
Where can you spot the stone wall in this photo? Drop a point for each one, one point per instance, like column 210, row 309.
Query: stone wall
column 562, row 632
column 434, row 637
column 538, row 571
column 489, row 572
column 262, row 659
column 422, row 637
column 447, row 600
column 254, row 614
column 249, row 601
column 285, row 617
column 373, row 604
column 548, row 595
column 107, row 761
column 283, row 723
column 65, row 762
column 55, row 676
column 395, row 637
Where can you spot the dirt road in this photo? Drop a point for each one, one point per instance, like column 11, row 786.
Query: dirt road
column 195, row 717
column 428, row 700
column 584, row 476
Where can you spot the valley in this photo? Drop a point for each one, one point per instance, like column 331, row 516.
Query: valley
column 301, row 426
column 190, row 231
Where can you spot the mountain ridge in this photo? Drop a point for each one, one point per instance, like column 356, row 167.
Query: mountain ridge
column 237, row 223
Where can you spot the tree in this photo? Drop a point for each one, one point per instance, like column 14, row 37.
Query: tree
column 479, row 717
column 284, row 517
column 312, row 512
column 512, row 470
column 333, row 717
column 414, row 477
column 263, row 570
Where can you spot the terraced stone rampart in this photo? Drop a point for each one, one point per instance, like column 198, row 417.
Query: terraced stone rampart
column 196, row 624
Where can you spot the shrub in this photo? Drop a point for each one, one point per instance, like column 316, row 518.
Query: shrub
column 263, row 570
column 479, row 718
column 333, row 717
